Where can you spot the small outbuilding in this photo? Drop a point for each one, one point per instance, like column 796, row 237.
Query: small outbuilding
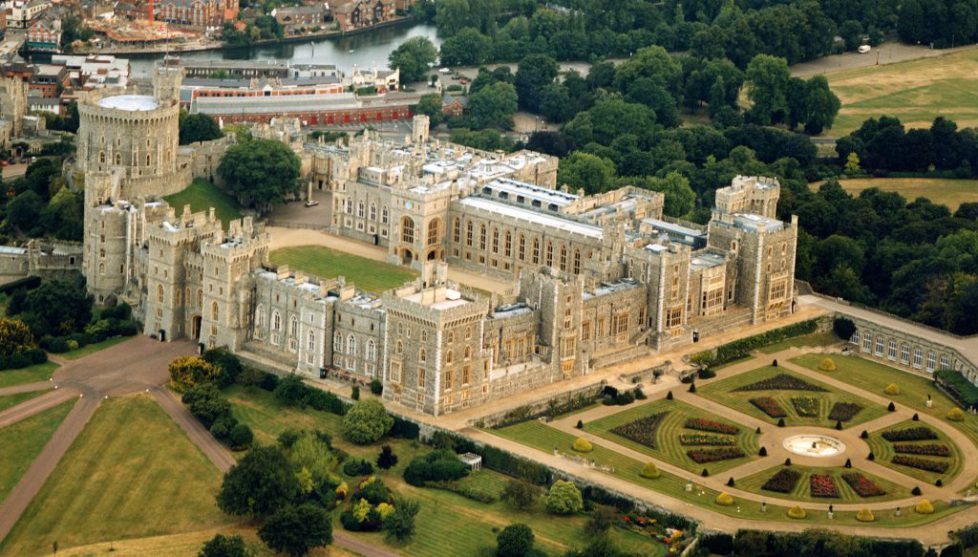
column 472, row 460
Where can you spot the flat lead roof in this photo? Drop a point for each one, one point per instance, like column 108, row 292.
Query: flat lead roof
column 131, row 103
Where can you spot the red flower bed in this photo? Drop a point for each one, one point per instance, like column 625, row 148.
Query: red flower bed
column 705, row 439
column 926, row 449
column 823, row 485
column 782, row 382
column 910, row 434
column 921, row 463
column 642, row 430
column 711, row 426
column 783, row 482
column 863, row 486
column 844, row 411
column 702, row 456
column 769, row 406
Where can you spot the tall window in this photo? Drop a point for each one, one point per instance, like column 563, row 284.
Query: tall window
column 536, row 251
column 407, row 230
column 521, row 249
column 214, row 311
column 433, row 227
column 373, row 211
column 905, row 353
column 159, row 293
column 550, row 254
column 577, row 262
column 891, row 349
column 457, row 231
column 468, row 233
column 360, row 209
column 422, row 355
column 338, row 343
column 371, row 351
column 310, row 341
column 508, row 246
column 482, row 237
column 563, row 258
column 351, row 345
column 495, row 240
column 918, row 358
column 384, row 215
column 276, row 321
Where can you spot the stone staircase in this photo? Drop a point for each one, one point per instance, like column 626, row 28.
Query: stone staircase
column 707, row 326
column 619, row 356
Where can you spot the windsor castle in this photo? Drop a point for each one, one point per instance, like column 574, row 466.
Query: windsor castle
column 596, row 280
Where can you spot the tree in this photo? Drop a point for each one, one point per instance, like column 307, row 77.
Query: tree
column 520, row 494
column 851, row 32
column 602, row 518
column 767, row 88
column 386, row 459
column 64, row 216
column 843, row 328
column 564, row 498
column 680, row 197
column 413, row 58
column 241, row 437
column 584, row 170
column 468, row 47
column 821, row 105
column 260, row 173
column 493, row 106
column 399, row 525
column 534, row 72
column 187, row 372
column 198, row 127
column 516, row 540
column 15, row 337
column 206, row 403
column 366, row 422
column 290, row 390
column 24, row 211
column 224, row 546
column 852, row 164
column 57, row 307
column 429, row 105
column 297, row 530
column 227, row 364
column 259, row 484
column 555, row 103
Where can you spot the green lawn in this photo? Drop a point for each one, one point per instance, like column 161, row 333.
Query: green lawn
column 23, row 441
column 367, row 274
column 10, row 401
column 543, row 437
column 814, row 340
column 452, row 524
column 723, row 392
column 201, row 195
column 883, row 451
column 667, row 443
column 131, row 473
column 92, row 348
column 37, row 372
column 802, row 491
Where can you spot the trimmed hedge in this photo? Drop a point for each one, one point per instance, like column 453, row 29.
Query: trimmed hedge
column 957, row 386
column 738, row 349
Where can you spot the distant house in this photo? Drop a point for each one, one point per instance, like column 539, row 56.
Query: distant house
column 302, row 19
column 454, row 105
column 357, row 14
column 44, row 36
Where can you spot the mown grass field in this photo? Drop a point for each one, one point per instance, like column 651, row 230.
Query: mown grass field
column 201, row 195
column 668, row 447
column 724, row 393
column 30, row 374
column 939, row 190
column 915, row 91
column 448, row 524
column 883, row 451
column 366, row 274
column 802, row 491
column 131, row 473
column 20, row 443
column 9, row 401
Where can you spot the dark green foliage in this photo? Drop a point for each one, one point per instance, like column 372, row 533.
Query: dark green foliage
column 260, row 173
column 376, row 387
column 387, row 459
column 297, row 530
column 290, row 390
column 958, row 386
column 516, row 540
column 601, row 520
column 357, row 467
column 56, row 307
column 820, row 543
column 440, row 465
column 259, row 484
column 198, row 127
column 400, row 524
column 412, row 58
column 843, row 328
column 741, row 348
column 221, row 358
column 520, row 494
column 240, row 437
column 224, row 546
column 375, row 492
column 355, row 392
column 206, row 403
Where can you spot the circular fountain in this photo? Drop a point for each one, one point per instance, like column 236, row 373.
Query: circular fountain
column 814, row 445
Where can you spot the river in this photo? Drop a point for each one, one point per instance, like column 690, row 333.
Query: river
column 366, row 49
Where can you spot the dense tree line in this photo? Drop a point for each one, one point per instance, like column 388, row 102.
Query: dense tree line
column 883, row 145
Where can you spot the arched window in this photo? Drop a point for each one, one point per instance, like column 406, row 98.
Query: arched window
column 276, row 321
column 550, row 254
column 101, row 157
column 360, row 209
column 450, row 357
column 495, row 240
column 371, row 350
column 536, row 251
column 159, row 293
column 260, row 317
column 118, row 158
column 215, row 312
column 338, row 343
column 467, row 353
column 399, row 347
column 457, row 230
column 433, row 232
column 384, row 215
column 407, row 230
column 563, row 258
column 577, row 262
column 422, row 355
column 468, row 233
column 482, row 237
column 508, row 245
column 310, row 341
column 521, row 250
column 351, row 345
column 294, row 326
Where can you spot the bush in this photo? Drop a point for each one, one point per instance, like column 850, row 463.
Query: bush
column 189, row 371
column 290, row 390
column 376, row 387
column 955, row 414
column 224, row 546
column 516, row 540
column 269, row 381
column 520, row 494
column 893, row 389
column 741, row 348
column 669, row 395
column 366, row 422
column 601, row 520
column 240, row 437
column 958, row 386
column 865, row 515
column 891, row 407
column 564, row 498
column 355, row 392
column 227, row 364
column 762, row 452
column 706, row 373
column 386, row 459
column 650, row 471
column 207, row 404
column 436, row 466
column 357, row 467
column 843, row 328
column 323, row 401
column 827, row 365
column 582, row 445
column 639, row 393
column 915, row 491
column 724, row 499
column 580, row 424
column 797, row 513
column 924, row 507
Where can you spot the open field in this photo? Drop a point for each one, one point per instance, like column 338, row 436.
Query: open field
column 201, row 195
column 916, row 91
column 369, row 275
column 724, row 392
column 132, row 473
column 92, row 348
column 30, row 374
column 668, row 447
column 883, row 450
column 10, row 401
column 802, row 491
column 449, row 524
column 21, row 442
column 939, row 190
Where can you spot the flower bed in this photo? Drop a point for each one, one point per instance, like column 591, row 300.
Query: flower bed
column 863, row 486
column 711, row 426
column 844, row 411
column 782, row 382
column 805, row 406
column 921, row 463
column 706, row 439
column 702, row 456
column 645, row 525
column 783, row 482
column 822, row 485
column 642, row 430
column 769, row 406
column 910, row 434
column 925, row 449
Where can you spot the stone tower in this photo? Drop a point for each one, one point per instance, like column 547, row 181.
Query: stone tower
column 420, row 129
column 167, row 78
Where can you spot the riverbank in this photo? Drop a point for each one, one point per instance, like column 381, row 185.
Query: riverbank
column 204, row 45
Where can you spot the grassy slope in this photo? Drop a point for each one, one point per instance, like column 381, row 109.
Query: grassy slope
column 802, row 491
column 939, row 190
column 722, row 392
column 21, row 442
column 367, row 274
column 201, row 196
column 667, row 436
column 131, row 473
column 10, row 401
column 39, row 372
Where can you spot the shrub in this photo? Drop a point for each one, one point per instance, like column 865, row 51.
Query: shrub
column 958, row 386
column 705, row 439
column 564, row 498
column 920, row 433
column 669, row 395
column 724, row 499
column 357, row 467
column 955, row 414
column 440, row 465
column 925, row 449
column 639, row 393
column 207, row 403
column 797, row 513
column 871, row 456
column 827, row 365
column 838, row 425
column 650, row 471
column 240, row 437
column 730, row 482
column 269, row 381
column 386, row 459
column 916, row 417
column 366, row 422
column 376, row 387
column 516, row 540
column 355, row 392
column 227, row 364
column 692, row 387
column 520, row 494
column 780, row 422
column 189, row 371
column 865, row 515
column 582, row 445
column 743, row 347
column 762, row 452
column 601, row 520
column 843, row 328
column 864, row 435
column 705, row 473
column 915, row 491
column 290, row 390
column 893, row 389
column 580, row 424
column 706, row 373
column 924, row 507
column 323, row 401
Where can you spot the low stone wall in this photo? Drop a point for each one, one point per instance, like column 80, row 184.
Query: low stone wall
column 540, row 407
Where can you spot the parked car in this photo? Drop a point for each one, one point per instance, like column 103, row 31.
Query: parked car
column 311, row 203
